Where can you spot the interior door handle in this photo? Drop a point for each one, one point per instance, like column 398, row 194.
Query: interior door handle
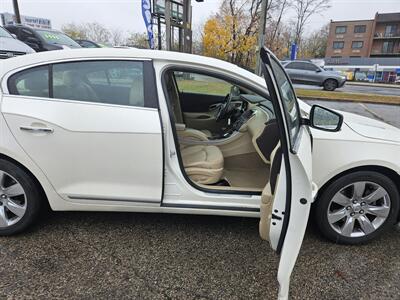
column 36, row 129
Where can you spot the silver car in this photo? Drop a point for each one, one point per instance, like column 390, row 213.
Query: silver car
column 10, row 46
column 304, row 72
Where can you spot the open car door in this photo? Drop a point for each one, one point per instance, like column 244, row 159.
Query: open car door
column 287, row 198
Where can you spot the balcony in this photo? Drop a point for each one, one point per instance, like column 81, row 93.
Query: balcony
column 387, row 35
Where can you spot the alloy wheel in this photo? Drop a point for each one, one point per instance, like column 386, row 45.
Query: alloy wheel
column 359, row 209
column 13, row 201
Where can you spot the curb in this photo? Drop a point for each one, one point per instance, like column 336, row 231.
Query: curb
column 377, row 85
column 347, row 100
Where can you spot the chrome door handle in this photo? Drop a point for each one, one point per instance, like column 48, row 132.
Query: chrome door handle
column 36, row 129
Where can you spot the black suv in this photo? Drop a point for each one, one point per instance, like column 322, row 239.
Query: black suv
column 42, row 39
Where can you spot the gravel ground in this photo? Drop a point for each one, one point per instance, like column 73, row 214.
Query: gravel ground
column 153, row 256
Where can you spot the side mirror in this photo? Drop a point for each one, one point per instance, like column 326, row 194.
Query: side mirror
column 318, row 70
column 33, row 43
column 325, row 119
column 14, row 36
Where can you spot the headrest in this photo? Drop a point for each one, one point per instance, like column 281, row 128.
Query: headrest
column 71, row 78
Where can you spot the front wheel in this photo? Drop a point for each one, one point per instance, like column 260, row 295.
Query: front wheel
column 20, row 198
column 330, row 85
column 357, row 207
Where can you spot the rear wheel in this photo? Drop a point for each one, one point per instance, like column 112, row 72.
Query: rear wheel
column 330, row 85
column 357, row 207
column 20, row 198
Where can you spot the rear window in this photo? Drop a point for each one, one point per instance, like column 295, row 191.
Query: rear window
column 32, row 82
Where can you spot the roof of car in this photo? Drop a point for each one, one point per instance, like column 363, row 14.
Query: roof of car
column 8, row 65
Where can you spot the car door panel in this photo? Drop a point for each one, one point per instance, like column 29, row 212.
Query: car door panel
column 91, row 151
column 196, row 103
column 286, row 203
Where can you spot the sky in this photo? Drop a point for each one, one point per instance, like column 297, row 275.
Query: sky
column 126, row 14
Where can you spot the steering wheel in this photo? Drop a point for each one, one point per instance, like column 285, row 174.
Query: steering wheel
column 224, row 109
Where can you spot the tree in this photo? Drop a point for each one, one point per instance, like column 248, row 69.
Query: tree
column 304, row 9
column 89, row 31
column 231, row 33
column 138, row 40
column 314, row 46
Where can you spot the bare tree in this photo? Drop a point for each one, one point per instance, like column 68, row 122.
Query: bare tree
column 139, row 40
column 90, row 31
column 117, row 37
column 314, row 46
column 304, row 9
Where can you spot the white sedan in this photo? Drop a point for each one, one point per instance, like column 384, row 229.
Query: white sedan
column 153, row 131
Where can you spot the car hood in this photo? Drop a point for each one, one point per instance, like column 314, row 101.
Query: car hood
column 364, row 126
column 10, row 44
column 371, row 128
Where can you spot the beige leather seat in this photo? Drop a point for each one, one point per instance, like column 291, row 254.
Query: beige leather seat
column 203, row 164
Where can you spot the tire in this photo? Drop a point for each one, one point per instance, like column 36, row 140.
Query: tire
column 330, row 85
column 327, row 210
column 25, row 207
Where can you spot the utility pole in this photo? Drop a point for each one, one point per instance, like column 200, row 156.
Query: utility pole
column 16, row 11
column 168, row 24
column 261, row 35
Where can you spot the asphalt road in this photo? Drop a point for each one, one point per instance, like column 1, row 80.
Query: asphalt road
column 74, row 255
column 358, row 89
column 152, row 256
column 386, row 113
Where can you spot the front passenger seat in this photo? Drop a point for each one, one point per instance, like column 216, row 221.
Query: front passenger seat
column 203, row 164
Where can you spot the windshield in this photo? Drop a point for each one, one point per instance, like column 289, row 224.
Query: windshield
column 5, row 33
column 57, row 38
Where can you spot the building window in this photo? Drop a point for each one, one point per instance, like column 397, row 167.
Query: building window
column 388, row 47
column 357, row 44
column 338, row 45
column 391, row 30
column 360, row 29
column 341, row 29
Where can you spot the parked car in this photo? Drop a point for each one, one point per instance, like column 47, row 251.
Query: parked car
column 90, row 44
column 304, row 72
column 42, row 39
column 10, row 47
column 219, row 141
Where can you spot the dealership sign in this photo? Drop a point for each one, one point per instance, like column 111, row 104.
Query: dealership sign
column 9, row 19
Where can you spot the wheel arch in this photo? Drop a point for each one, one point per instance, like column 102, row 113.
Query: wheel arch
column 330, row 78
column 391, row 174
column 12, row 160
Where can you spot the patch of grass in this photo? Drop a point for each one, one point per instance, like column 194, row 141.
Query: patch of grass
column 203, row 87
column 341, row 96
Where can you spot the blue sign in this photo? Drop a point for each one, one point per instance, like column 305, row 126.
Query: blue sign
column 398, row 71
column 293, row 51
column 146, row 13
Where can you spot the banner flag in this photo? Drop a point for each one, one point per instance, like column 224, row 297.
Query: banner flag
column 146, row 13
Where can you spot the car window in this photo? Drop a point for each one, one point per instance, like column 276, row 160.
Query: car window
column 113, row 82
column 57, row 38
column 301, row 66
column 310, row 67
column 4, row 33
column 33, row 82
column 201, row 84
column 87, row 44
column 288, row 96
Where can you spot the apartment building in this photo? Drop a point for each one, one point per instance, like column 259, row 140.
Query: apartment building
column 378, row 37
